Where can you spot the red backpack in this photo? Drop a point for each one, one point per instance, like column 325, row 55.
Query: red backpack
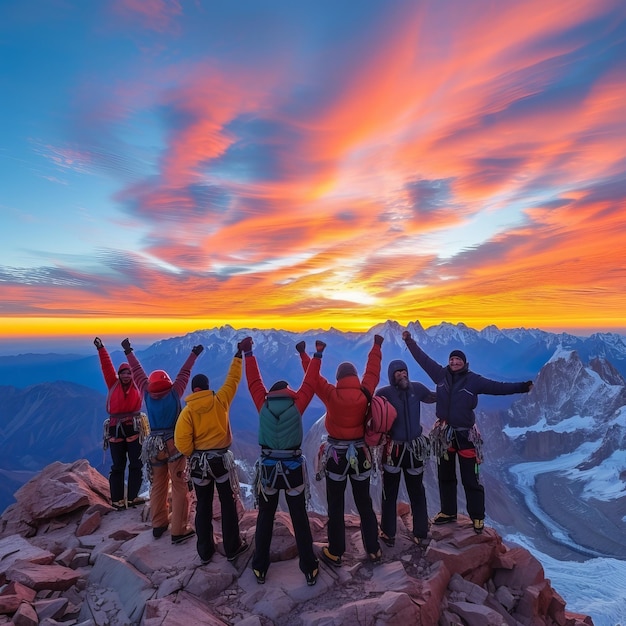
column 379, row 416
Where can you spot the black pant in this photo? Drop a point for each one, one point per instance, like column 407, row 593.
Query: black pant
column 335, row 496
column 299, row 518
column 204, row 515
column 474, row 491
column 417, row 497
column 120, row 452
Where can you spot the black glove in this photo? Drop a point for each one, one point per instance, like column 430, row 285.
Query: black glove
column 529, row 385
column 98, row 343
column 246, row 345
column 197, row 350
column 378, row 340
column 406, row 335
column 126, row 346
column 301, row 346
column 319, row 346
column 238, row 353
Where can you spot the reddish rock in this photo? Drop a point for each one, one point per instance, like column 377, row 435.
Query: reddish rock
column 13, row 595
column 89, row 524
column 25, row 616
column 535, row 600
column 433, row 591
column 129, row 577
column 462, row 559
column 526, row 571
column 40, row 577
column 123, row 534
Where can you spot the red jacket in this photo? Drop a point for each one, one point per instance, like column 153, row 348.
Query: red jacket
column 345, row 402
column 120, row 401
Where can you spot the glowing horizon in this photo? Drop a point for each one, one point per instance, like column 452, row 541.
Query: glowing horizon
column 177, row 167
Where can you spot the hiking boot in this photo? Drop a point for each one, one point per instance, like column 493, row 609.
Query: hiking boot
column 243, row 546
column 422, row 542
column 388, row 541
column 311, row 577
column 120, row 505
column 479, row 525
column 260, row 576
column 443, row 518
column 330, row 558
column 375, row 557
column 158, row 531
column 176, row 539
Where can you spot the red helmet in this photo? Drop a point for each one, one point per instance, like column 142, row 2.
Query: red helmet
column 159, row 380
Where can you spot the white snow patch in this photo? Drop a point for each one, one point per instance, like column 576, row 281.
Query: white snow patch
column 603, row 481
column 569, row 425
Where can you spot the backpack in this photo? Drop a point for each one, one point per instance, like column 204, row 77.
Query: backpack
column 379, row 416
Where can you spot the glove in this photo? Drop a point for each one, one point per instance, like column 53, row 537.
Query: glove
column 319, row 346
column 238, row 353
column 246, row 345
column 406, row 335
column 197, row 350
column 126, row 346
column 301, row 346
column 378, row 340
column 529, row 385
column 98, row 343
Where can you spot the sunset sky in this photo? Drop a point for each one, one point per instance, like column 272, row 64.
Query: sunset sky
column 172, row 165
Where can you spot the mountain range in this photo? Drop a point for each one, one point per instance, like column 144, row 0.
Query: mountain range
column 555, row 466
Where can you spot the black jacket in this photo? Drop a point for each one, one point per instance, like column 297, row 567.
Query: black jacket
column 406, row 402
column 457, row 392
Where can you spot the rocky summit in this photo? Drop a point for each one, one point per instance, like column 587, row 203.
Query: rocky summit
column 67, row 557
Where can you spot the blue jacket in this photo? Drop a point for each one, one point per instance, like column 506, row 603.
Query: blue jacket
column 162, row 412
column 406, row 402
column 457, row 393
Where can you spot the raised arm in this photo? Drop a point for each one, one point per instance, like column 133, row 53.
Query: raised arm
column 108, row 371
column 372, row 369
column 227, row 391
column 139, row 376
column 430, row 366
column 304, row 395
column 182, row 378
column 304, row 357
column 253, row 375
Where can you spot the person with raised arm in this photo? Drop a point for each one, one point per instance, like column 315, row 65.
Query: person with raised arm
column 455, row 433
column 281, row 465
column 123, row 430
column 164, row 463
column 203, row 434
column 404, row 453
column 345, row 455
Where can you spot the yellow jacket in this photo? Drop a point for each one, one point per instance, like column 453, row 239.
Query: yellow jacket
column 204, row 424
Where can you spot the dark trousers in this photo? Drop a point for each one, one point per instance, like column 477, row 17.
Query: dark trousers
column 335, row 496
column 204, row 519
column 121, row 451
column 474, row 491
column 268, row 503
column 301, row 529
column 417, row 497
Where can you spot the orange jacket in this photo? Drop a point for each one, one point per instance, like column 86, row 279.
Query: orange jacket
column 345, row 402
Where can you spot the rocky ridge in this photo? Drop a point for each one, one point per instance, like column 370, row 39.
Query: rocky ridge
column 66, row 557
